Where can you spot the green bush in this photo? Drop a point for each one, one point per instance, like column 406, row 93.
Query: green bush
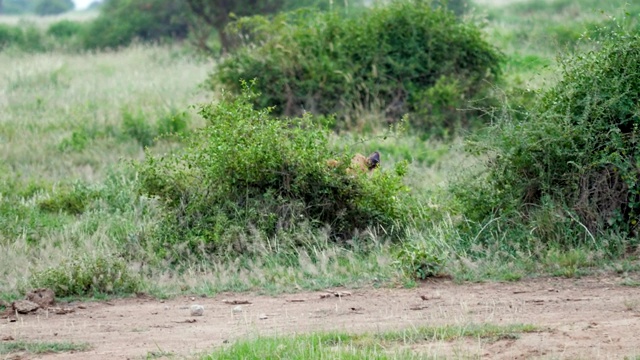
column 173, row 123
column 246, row 173
column 33, row 39
column 65, row 29
column 386, row 58
column 9, row 35
column 136, row 126
column 19, row 219
column 420, row 259
column 567, row 173
column 77, row 142
column 87, row 276
column 122, row 21
column 72, row 200
column 28, row 37
column 24, row 36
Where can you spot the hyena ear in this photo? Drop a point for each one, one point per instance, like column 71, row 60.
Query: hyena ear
column 373, row 161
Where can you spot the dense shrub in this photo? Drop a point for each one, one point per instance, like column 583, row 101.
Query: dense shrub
column 568, row 172
column 122, row 21
column 87, row 276
column 420, row 259
column 65, row 29
column 18, row 219
column 28, row 37
column 136, row 126
column 248, row 173
column 9, row 35
column 173, row 123
column 70, row 199
column 386, row 57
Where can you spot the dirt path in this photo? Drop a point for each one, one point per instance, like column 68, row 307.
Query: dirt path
column 589, row 318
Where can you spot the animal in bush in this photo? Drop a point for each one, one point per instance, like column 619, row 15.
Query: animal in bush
column 359, row 163
column 247, row 176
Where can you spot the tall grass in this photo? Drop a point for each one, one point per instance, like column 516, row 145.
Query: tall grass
column 533, row 32
column 62, row 129
column 47, row 98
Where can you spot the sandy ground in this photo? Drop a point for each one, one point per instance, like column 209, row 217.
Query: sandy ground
column 589, row 318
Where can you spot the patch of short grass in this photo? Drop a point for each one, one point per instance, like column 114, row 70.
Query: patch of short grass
column 37, row 347
column 630, row 282
column 159, row 354
column 340, row 345
column 515, row 265
column 490, row 332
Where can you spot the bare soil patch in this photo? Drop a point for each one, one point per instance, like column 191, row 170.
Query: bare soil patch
column 589, row 318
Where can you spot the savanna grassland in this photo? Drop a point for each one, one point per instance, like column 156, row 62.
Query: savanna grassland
column 171, row 165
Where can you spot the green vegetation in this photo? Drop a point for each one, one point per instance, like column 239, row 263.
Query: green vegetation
column 404, row 57
column 246, row 172
column 65, row 29
column 40, row 347
column 122, row 21
column 564, row 176
column 359, row 346
column 26, row 37
column 121, row 171
column 87, row 276
column 214, row 17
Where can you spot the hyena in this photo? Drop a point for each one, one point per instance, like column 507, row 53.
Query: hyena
column 360, row 163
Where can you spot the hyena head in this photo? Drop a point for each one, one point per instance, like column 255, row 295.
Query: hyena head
column 373, row 161
column 365, row 164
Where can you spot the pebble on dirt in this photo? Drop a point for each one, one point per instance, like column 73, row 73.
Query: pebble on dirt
column 197, row 310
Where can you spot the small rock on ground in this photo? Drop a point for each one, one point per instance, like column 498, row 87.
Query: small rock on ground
column 197, row 310
column 24, row 306
column 43, row 297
